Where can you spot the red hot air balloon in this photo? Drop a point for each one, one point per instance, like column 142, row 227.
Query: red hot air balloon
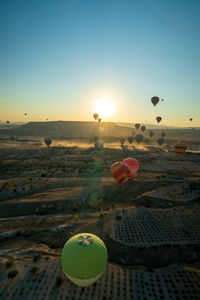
column 120, row 171
column 154, row 100
column 158, row 119
column 133, row 165
column 95, row 116
column 143, row 128
column 137, row 125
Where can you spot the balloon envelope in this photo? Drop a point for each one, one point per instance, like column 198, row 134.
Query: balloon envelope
column 160, row 141
column 137, row 125
column 122, row 140
column 158, row 119
column 133, row 165
column 146, row 140
column 84, row 258
column 151, row 133
column 120, row 171
column 48, row 141
column 95, row 116
column 155, row 100
column 130, row 139
column 99, row 120
column 143, row 128
column 163, row 134
column 180, row 148
column 139, row 138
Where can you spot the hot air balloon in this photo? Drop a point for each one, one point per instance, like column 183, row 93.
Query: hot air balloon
column 130, row 139
column 98, row 145
column 120, row 171
column 139, row 138
column 99, row 120
column 25, row 114
column 143, row 128
column 191, row 119
column 163, row 134
column 180, row 148
column 146, row 140
column 154, row 100
column 137, row 125
column 95, row 116
column 122, row 141
column 158, row 119
column 162, row 100
column 48, row 141
column 84, row 258
column 7, row 122
column 46, row 119
column 160, row 141
column 133, row 165
column 151, row 133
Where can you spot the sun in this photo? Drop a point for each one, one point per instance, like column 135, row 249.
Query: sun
column 104, row 107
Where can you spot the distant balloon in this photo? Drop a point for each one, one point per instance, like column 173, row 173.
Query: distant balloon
column 151, row 133
column 7, row 122
column 154, row 100
column 139, row 138
column 180, row 148
column 130, row 139
column 120, row 171
column 167, row 147
column 48, row 141
column 158, row 119
column 95, row 116
column 191, row 119
column 146, row 140
column 46, row 119
column 84, row 258
column 99, row 120
column 25, row 114
column 143, row 128
column 122, row 141
column 137, row 125
column 160, row 141
column 163, row 134
column 162, row 100
column 98, row 145
column 133, row 165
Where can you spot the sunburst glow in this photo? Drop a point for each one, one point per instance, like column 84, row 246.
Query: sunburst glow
column 105, row 107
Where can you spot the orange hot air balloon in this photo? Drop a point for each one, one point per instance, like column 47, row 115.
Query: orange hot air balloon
column 133, row 165
column 180, row 148
column 120, row 171
column 95, row 116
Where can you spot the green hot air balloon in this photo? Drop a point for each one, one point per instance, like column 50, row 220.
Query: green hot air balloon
column 137, row 125
column 84, row 258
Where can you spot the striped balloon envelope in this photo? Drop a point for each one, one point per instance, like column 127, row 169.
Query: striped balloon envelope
column 120, row 171
column 180, row 148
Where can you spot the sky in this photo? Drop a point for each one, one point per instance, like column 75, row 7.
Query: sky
column 58, row 57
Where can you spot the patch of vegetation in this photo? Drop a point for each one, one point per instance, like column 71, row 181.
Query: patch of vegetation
column 59, row 280
column 34, row 269
column 12, row 273
column 9, row 263
column 36, row 257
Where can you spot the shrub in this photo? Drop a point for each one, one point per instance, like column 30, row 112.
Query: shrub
column 59, row 280
column 34, row 269
column 36, row 257
column 9, row 263
column 12, row 273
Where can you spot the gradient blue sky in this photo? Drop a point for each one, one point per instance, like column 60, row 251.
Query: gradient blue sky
column 58, row 57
